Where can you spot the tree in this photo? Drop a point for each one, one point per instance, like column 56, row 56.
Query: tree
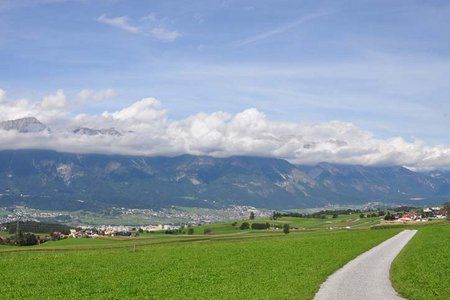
column 389, row 217
column 252, row 216
column 207, row 231
column 26, row 239
column 361, row 216
column 335, row 216
column 244, row 225
column 447, row 210
column 286, row 228
column 276, row 215
column 190, row 231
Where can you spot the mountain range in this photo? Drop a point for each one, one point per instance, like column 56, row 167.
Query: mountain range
column 32, row 125
column 65, row 181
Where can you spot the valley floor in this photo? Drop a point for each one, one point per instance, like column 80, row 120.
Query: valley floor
column 236, row 265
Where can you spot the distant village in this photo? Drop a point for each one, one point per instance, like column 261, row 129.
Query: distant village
column 121, row 230
column 169, row 219
column 401, row 215
column 423, row 215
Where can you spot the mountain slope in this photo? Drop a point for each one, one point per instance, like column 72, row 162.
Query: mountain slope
column 53, row 180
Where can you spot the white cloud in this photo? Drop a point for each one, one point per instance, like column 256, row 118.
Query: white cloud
column 51, row 108
column 149, row 131
column 119, row 22
column 55, row 101
column 149, row 26
column 2, row 94
column 91, row 95
column 164, row 34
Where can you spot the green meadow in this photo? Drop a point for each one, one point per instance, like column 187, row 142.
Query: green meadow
column 422, row 269
column 229, row 263
column 309, row 224
column 241, row 266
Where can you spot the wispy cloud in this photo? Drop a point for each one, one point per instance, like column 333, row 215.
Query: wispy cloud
column 154, row 31
column 119, row 22
column 164, row 34
column 279, row 30
column 87, row 95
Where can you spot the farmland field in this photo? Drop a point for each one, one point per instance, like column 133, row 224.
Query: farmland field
column 244, row 266
column 352, row 221
column 422, row 269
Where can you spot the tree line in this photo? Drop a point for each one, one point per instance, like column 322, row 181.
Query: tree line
column 36, row 227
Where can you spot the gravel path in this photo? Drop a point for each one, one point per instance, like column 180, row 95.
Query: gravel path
column 367, row 276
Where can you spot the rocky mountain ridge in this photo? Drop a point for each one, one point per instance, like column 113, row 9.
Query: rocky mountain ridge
column 24, row 125
column 65, row 181
column 32, row 125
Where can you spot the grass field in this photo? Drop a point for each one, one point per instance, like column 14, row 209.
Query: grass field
column 233, row 266
column 342, row 221
column 422, row 270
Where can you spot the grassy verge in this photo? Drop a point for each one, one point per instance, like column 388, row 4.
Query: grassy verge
column 224, row 267
column 422, row 269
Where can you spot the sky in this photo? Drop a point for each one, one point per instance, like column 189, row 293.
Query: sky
column 364, row 82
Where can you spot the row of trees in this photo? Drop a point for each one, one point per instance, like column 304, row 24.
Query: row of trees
column 261, row 226
column 32, row 226
column 189, row 231
column 320, row 214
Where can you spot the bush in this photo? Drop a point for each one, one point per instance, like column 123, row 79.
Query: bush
column 207, row 231
column 286, row 228
column 244, row 225
column 28, row 239
column 190, row 231
column 260, row 226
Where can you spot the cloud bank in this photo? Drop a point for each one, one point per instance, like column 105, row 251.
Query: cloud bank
column 147, row 130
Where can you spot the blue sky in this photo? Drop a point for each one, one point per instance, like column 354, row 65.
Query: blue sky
column 381, row 65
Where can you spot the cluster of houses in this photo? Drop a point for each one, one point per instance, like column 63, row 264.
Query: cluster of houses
column 109, row 230
column 424, row 215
